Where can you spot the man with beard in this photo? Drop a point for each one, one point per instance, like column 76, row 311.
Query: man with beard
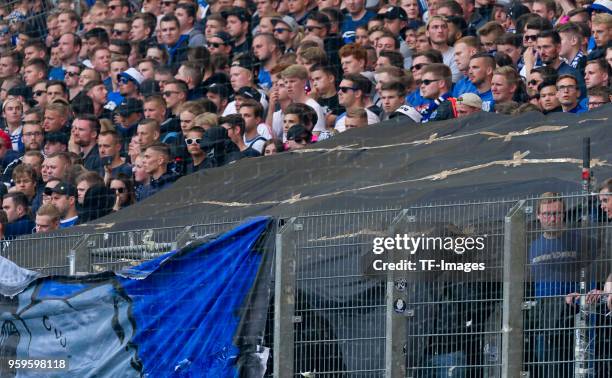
column 548, row 47
column 267, row 50
column 85, row 129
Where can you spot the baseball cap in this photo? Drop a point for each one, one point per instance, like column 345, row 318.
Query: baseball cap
column 65, row 188
column 129, row 106
column 470, row 99
column 517, row 10
column 249, row 92
column 149, row 87
column 604, row 6
column 225, row 37
column 213, row 136
column 21, row 90
column 219, row 89
column 396, row 13
column 243, row 61
column 242, row 14
column 56, row 137
column 298, row 131
column 287, row 20
column 132, row 74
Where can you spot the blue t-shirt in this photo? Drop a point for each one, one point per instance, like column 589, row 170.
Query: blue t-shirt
column 56, row 73
column 69, row 222
column 579, row 108
column 488, row 103
column 349, row 25
column 553, row 264
column 464, row 85
column 415, row 99
column 264, row 79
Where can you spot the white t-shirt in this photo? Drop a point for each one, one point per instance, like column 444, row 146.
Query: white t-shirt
column 339, row 126
column 320, row 126
column 277, row 124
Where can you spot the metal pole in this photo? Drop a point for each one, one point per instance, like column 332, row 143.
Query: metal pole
column 395, row 325
column 284, row 299
column 514, row 277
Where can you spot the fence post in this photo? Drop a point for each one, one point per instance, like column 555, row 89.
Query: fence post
column 80, row 257
column 513, row 290
column 395, row 325
column 284, row 298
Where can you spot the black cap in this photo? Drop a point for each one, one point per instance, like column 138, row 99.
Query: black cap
column 517, row 10
column 225, row 37
column 242, row 14
column 298, row 131
column 56, row 137
column 149, row 87
column 129, row 106
column 222, row 90
column 244, row 61
column 21, row 90
column 65, row 188
column 212, row 137
column 249, row 92
column 396, row 13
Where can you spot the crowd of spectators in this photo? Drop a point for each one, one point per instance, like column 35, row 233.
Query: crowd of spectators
column 106, row 103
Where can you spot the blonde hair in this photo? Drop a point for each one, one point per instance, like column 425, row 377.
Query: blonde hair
column 210, row 119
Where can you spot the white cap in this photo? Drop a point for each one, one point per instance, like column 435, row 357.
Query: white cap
column 133, row 74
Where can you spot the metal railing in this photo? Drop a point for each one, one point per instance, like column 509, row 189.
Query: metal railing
column 335, row 315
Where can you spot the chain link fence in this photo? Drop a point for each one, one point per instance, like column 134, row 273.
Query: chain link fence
column 541, row 309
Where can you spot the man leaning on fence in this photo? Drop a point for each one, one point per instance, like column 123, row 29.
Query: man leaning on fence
column 553, row 258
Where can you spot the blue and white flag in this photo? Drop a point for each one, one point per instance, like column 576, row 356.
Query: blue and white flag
column 175, row 316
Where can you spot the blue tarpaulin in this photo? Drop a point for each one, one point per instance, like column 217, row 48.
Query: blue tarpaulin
column 173, row 316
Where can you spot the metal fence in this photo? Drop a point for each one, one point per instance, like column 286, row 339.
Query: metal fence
column 536, row 312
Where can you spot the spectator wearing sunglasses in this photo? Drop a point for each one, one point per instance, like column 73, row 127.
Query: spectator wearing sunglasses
column 193, row 138
column 117, row 9
column 352, row 90
column 123, row 186
column 436, row 84
column 129, row 83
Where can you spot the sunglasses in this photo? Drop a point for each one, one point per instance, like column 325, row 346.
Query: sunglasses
column 123, row 80
column 113, row 7
column 346, row 89
column 39, row 93
column 418, row 66
column 313, row 28
column 119, row 190
column 280, row 30
column 115, row 31
column 190, row 141
column 427, row 81
column 71, row 74
column 532, row 82
column 216, row 45
column 167, row 3
column 4, row 31
column 530, row 37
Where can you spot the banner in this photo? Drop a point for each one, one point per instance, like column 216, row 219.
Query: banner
column 175, row 316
